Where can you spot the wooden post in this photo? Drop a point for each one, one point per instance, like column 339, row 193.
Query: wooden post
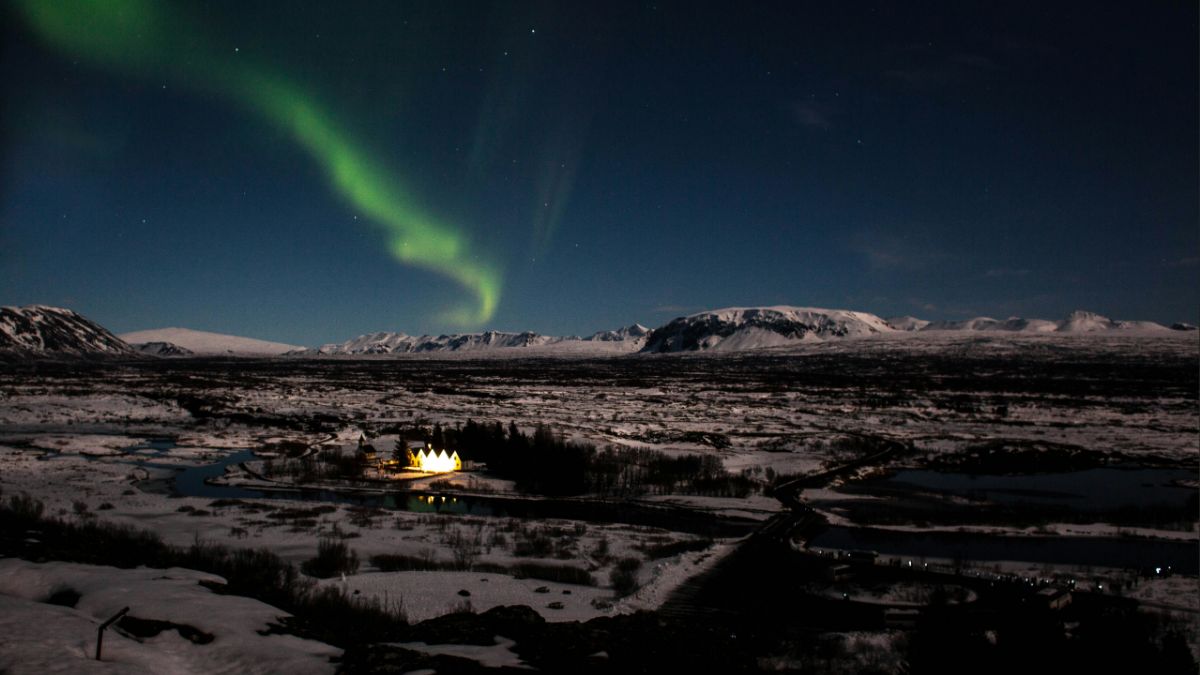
column 106, row 624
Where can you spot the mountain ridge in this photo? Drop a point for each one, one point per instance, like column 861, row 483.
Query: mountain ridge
column 42, row 330
column 205, row 343
column 1078, row 321
column 742, row 328
column 401, row 343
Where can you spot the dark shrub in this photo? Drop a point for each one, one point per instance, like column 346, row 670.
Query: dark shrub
column 397, row 562
column 563, row 574
column 333, row 557
column 323, row 613
column 25, row 507
column 676, row 547
column 624, row 577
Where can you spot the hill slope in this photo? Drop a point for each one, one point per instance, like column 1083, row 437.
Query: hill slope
column 626, row 339
column 1076, row 322
column 48, row 331
column 203, row 343
column 739, row 328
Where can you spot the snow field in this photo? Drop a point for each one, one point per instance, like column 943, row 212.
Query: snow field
column 46, row 638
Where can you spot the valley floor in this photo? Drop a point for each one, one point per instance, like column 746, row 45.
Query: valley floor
column 104, row 441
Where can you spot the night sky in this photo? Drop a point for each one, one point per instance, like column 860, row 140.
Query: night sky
column 309, row 171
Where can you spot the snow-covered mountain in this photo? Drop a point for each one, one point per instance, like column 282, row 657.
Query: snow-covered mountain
column 49, row 331
column 1013, row 324
column 907, row 323
column 401, row 343
column 203, row 343
column 629, row 333
column 730, row 329
column 1077, row 322
column 740, row 328
column 162, row 349
column 625, row 339
column 1089, row 322
column 42, row 330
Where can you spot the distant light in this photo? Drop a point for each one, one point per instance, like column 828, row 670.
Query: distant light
column 1158, row 570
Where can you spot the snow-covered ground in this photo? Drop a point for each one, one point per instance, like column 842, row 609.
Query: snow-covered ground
column 110, row 488
column 231, row 631
column 80, row 441
column 424, row 595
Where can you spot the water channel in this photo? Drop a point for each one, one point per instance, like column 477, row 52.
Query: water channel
column 1116, row 487
column 192, row 482
column 1090, row 495
column 1119, row 552
column 1099, row 489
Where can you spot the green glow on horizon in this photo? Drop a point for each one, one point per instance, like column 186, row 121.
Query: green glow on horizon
column 141, row 37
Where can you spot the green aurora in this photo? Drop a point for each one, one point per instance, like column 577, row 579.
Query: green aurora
column 141, row 37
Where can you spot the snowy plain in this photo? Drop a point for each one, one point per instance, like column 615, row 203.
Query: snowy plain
column 82, row 440
column 49, row 638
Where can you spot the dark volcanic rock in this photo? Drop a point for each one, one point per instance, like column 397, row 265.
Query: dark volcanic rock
column 162, row 349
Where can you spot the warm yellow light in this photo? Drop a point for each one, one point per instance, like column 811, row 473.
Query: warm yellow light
column 436, row 462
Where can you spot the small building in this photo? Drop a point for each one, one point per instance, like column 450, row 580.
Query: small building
column 366, row 448
column 868, row 557
column 392, row 453
column 839, row 572
column 433, row 461
column 422, row 457
column 1054, row 597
